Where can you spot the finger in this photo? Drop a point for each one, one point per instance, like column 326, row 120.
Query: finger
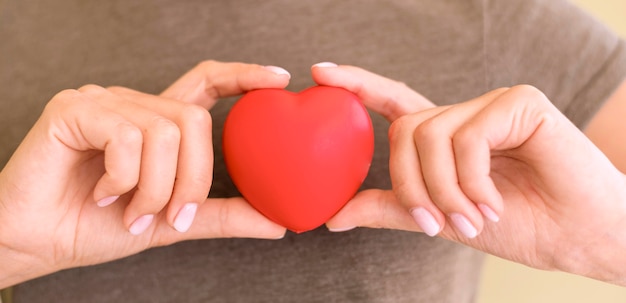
column 438, row 168
column 406, row 173
column 435, row 139
column 505, row 123
column 158, row 169
column 520, row 110
column 159, row 156
column 391, row 99
column 211, row 80
column 376, row 208
column 89, row 126
column 222, row 218
column 373, row 208
column 122, row 158
column 195, row 161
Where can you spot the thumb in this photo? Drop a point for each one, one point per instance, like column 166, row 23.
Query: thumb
column 373, row 208
column 390, row 98
column 222, row 218
column 211, row 80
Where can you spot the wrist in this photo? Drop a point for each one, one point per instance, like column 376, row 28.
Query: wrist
column 607, row 261
column 17, row 267
column 601, row 253
column 16, row 264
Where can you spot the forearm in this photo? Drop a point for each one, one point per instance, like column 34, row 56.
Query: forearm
column 608, row 262
column 16, row 267
column 607, row 131
column 601, row 254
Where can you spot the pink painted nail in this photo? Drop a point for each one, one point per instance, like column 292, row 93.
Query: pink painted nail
column 325, row 64
column 341, row 229
column 107, row 201
column 141, row 224
column 185, row 217
column 278, row 70
column 488, row 213
column 463, row 225
column 426, row 221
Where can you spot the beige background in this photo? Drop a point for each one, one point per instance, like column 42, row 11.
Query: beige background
column 506, row 282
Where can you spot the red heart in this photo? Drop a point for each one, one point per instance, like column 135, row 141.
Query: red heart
column 298, row 158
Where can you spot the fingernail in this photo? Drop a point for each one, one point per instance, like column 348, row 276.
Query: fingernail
column 463, row 225
column 325, row 64
column 185, row 217
column 107, row 201
column 426, row 221
column 278, row 70
column 340, row 229
column 282, row 236
column 141, row 224
column 488, row 213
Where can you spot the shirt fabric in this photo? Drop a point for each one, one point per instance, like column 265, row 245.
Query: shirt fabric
column 448, row 50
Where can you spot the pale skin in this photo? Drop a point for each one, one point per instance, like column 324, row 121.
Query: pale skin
column 58, row 193
column 507, row 156
column 505, row 173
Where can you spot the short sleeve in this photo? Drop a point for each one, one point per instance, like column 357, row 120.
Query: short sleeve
column 572, row 57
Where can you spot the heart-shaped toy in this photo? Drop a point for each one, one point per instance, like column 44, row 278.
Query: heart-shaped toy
column 298, row 158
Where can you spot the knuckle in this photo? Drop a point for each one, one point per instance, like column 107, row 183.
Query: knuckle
column 116, row 89
column 92, row 89
column 66, row 94
column 128, row 134
column 166, row 130
column 528, row 93
column 428, row 131
column 398, row 127
column 196, row 115
column 206, row 64
column 66, row 101
column 64, row 97
column 465, row 136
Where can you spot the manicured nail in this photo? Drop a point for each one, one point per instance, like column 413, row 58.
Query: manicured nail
column 463, row 225
column 488, row 213
column 325, row 64
column 340, row 229
column 141, row 224
column 280, row 237
column 185, row 217
column 278, row 70
column 107, row 201
column 426, row 221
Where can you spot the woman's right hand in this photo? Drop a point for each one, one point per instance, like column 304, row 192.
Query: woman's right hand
column 109, row 172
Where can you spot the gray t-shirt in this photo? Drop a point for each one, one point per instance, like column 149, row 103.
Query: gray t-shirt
column 448, row 50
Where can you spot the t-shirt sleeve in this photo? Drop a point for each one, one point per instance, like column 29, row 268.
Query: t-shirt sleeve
column 572, row 57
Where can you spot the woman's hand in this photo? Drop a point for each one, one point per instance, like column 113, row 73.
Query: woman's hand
column 505, row 173
column 109, row 172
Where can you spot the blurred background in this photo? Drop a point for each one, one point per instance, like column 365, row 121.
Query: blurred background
column 506, row 282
